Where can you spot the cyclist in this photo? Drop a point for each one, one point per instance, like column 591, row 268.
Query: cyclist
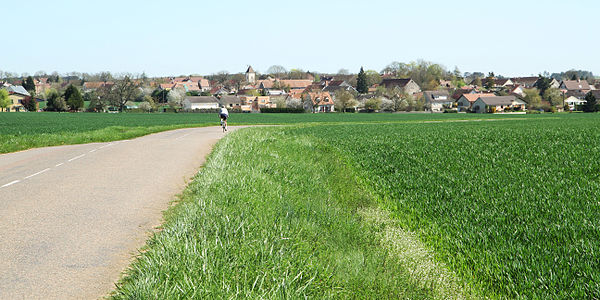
column 224, row 115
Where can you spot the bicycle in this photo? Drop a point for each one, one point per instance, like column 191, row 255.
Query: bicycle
column 224, row 124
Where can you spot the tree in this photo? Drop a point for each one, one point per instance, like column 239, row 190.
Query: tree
column 29, row 103
column 543, row 84
column 54, row 101
column 122, row 91
column 532, row 97
column 477, row 82
column 489, row 81
column 388, row 105
column 361, row 82
column 73, row 98
column 276, row 70
column 29, row 85
column 343, row 99
column 175, row 98
column 554, row 96
column 145, row 106
column 373, row 77
column 4, row 99
column 343, row 71
column 96, row 102
column 590, row 103
column 373, row 104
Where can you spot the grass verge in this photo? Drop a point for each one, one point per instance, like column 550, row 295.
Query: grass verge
column 279, row 216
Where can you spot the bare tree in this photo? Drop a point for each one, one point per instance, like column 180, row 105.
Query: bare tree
column 122, row 91
column 276, row 70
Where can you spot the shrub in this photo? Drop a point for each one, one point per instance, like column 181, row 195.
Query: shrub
column 282, row 110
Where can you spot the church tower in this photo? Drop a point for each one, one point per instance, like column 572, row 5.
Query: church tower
column 250, row 75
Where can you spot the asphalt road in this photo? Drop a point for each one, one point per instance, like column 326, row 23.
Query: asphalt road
column 72, row 216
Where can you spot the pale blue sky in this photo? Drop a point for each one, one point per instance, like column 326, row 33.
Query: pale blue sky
column 203, row 37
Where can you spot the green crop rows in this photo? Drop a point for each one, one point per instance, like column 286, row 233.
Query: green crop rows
column 512, row 206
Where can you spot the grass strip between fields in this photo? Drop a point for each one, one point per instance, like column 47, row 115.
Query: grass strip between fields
column 282, row 216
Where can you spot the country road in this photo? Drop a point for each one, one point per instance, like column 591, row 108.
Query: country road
column 72, row 216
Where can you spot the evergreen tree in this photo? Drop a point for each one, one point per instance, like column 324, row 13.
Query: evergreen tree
column 361, row 82
column 590, row 103
column 28, row 84
column 543, row 84
column 73, row 98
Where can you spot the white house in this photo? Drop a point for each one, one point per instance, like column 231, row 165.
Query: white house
column 573, row 102
column 437, row 100
column 200, row 102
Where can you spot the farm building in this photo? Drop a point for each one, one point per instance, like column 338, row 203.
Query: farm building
column 200, row 102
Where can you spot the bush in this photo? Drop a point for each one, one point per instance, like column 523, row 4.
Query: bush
column 450, row 111
column 282, row 110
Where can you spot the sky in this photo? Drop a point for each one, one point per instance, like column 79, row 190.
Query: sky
column 164, row 38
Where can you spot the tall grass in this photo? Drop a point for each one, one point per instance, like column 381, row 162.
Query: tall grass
column 274, row 216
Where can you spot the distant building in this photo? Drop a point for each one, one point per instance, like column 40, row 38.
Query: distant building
column 438, row 100
column 465, row 102
column 17, row 94
column 200, row 102
column 498, row 104
column 406, row 85
column 250, row 75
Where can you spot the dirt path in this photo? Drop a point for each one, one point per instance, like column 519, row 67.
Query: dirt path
column 71, row 216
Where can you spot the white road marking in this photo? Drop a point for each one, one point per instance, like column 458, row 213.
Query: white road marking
column 107, row 145
column 38, row 173
column 10, row 183
column 93, row 150
column 59, row 164
column 76, row 157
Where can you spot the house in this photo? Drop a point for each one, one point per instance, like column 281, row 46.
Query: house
column 273, row 92
column 94, row 85
column 204, row 85
column 16, row 95
column 406, row 85
column 498, row 104
column 465, row 102
column 573, row 102
column 447, row 84
column 517, row 90
column 318, row 102
column 553, row 83
column 462, row 91
column 502, row 82
column 438, row 100
column 231, row 102
column 200, row 102
column 255, row 103
column 339, row 85
column 526, row 82
column 580, row 86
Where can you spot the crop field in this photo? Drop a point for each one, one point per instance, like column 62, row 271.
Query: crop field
column 511, row 206
column 480, row 209
column 19, row 131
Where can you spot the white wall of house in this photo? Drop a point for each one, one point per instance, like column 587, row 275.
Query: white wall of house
column 187, row 105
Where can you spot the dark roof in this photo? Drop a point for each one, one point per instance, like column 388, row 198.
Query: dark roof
column 202, row 99
column 527, row 81
column 394, row 82
column 250, row 70
column 434, row 96
column 498, row 100
column 230, row 100
column 460, row 92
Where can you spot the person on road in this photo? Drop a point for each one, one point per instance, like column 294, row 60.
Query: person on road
column 224, row 115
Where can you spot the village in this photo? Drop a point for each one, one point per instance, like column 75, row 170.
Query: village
column 392, row 90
